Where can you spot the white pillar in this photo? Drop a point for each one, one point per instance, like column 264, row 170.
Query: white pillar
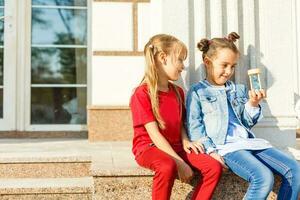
column 216, row 18
column 198, row 71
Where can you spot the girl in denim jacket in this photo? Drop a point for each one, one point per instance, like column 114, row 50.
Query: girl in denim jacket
column 220, row 115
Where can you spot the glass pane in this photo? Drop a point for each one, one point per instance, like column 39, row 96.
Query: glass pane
column 1, row 66
column 59, row 26
column 58, row 105
column 1, row 57
column 58, row 65
column 1, row 27
column 1, row 103
column 60, row 2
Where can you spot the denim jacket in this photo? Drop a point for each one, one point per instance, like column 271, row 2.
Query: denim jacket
column 207, row 112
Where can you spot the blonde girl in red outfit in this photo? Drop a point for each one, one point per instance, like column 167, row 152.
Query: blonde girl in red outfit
column 160, row 142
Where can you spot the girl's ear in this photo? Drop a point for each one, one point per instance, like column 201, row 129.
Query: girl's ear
column 162, row 58
column 206, row 61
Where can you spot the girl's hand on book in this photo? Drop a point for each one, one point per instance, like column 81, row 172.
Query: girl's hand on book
column 195, row 146
column 218, row 158
column 256, row 96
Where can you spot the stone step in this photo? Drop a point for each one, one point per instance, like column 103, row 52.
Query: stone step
column 31, row 158
column 136, row 184
column 44, row 166
column 119, row 177
column 46, row 189
column 113, row 168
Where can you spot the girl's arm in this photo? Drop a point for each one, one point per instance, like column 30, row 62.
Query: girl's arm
column 196, row 128
column 160, row 141
column 195, row 125
column 185, row 173
column 252, row 99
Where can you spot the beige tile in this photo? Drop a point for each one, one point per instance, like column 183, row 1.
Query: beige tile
column 109, row 124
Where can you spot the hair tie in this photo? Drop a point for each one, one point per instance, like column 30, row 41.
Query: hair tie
column 151, row 46
column 209, row 42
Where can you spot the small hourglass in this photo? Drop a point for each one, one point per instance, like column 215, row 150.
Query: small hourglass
column 254, row 77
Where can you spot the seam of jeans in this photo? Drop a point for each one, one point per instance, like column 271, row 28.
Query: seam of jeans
column 288, row 170
column 275, row 161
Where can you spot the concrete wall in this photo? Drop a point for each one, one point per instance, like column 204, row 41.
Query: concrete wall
column 269, row 33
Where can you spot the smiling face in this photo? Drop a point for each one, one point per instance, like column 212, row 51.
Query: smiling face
column 221, row 67
column 172, row 64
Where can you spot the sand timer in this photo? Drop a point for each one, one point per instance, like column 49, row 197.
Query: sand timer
column 254, row 77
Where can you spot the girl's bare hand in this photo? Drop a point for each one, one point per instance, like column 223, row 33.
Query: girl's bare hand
column 256, row 96
column 185, row 173
column 218, row 158
column 195, row 146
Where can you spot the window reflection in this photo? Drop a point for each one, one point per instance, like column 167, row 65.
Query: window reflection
column 59, row 26
column 1, row 66
column 1, row 103
column 58, row 106
column 1, row 57
column 60, row 2
column 58, row 65
column 1, row 27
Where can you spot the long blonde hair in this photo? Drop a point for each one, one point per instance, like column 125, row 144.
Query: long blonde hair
column 159, row 43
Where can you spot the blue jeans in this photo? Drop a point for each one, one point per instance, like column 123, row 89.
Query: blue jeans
column 258, row 166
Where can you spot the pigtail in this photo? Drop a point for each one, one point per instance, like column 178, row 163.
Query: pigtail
column 233, row 36
column 203, row 45
column 151, row 79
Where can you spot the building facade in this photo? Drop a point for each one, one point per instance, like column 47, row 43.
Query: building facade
column 69, row 63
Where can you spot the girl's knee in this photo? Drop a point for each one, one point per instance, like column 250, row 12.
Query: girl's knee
column 264, row 179
column 167, row 168
column 295, row 169
column 216, row 169
column 293, row 174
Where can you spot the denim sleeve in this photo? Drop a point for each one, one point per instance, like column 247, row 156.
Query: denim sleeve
column 247, row 119
column 195, row 126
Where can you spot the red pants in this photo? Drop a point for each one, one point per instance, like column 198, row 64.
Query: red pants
column 165, row 170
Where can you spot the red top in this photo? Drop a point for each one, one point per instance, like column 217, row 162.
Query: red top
column 142, row 114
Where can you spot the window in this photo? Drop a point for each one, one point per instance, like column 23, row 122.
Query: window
column 59, row 62
column 1, row 56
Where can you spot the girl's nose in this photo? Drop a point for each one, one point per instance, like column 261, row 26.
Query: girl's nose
column 228, row 71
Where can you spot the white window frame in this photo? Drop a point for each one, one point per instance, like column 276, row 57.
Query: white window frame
column 8, row 122
column 24, row 124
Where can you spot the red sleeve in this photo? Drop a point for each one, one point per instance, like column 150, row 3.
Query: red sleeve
column 140, row 106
